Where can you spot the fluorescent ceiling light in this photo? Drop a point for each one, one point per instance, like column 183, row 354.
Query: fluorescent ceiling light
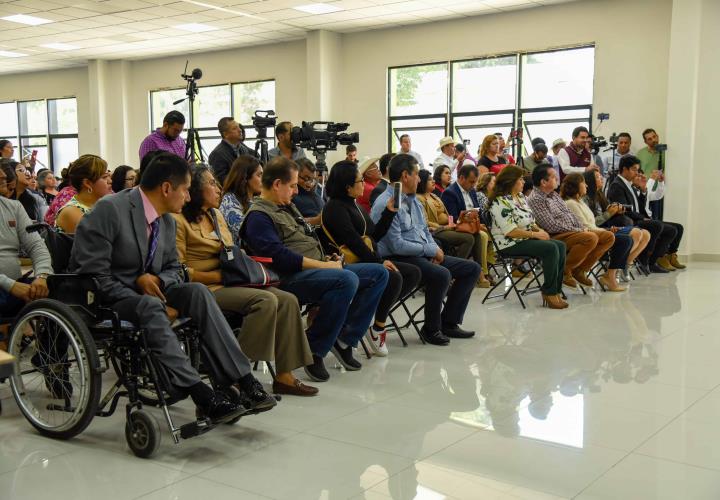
column 318, row 8
column 195, row 27
column 23, row 19
column 7, row 53
column 60, row 46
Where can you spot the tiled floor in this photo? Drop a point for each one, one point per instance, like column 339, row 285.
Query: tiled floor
column 616, row 398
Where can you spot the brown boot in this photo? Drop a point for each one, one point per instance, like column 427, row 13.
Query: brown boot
column 664, row 262
column 581, row 277
column 675, row 262
column 568, row 280
column 553, row 302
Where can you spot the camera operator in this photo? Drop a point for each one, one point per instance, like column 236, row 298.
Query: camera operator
column 611, row 157
column 285, row 146
column 351, row 153
column 650, row 157
column 576, row 157
column 222, row 157
column 166, row 138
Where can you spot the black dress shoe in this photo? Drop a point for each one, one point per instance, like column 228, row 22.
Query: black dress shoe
column 316, row 371
column 434, row 338
column 257, row 400
column 220, row 410
column 658, row 269
column 345, row 357
column 456, row 332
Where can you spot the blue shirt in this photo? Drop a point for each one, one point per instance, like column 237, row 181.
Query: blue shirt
column 409, row 234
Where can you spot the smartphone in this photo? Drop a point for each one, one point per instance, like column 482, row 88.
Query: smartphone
column 33, row 156
column 396, row 195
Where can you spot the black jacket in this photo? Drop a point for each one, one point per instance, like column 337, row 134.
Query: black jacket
column 343, row 219
column 618, row 192
column 378, row 190
column 223, row 156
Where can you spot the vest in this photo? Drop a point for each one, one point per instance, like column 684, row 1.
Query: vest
column 290, row 231
column 577, row 160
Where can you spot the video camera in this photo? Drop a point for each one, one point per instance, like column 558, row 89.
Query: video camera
column 323, row 136
column 264, row 119
column 597, row 143
column 661, row 148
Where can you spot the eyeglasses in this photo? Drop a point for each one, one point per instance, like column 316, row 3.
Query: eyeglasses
column 360, row 181
column 306, row 179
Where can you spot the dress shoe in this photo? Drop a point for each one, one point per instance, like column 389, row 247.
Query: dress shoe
column 664, row 262
column 455, row 332
column 581, row 277
column 657, row 269
column 345, row 356
column 483, row 283
column 258, row 400
column 609, row 284
column 297, row 389
column 220, row 409
column 568, row 280
column 554, row 302
column 434, row 338
column 675, row 262
column 316, row 371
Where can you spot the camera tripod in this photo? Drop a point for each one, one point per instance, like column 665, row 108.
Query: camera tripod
column 193, row 148
column 261, row 146
column 321, row 166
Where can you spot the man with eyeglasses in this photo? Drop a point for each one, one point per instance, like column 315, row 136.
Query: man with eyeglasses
column 308, row 199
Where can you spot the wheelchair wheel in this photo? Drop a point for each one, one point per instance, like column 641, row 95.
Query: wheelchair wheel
column 56, row 382
column 142, row 433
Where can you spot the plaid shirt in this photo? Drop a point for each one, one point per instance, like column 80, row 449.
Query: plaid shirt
column 552, row 214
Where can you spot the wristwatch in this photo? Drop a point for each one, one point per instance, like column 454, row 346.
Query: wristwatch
column 42, row 275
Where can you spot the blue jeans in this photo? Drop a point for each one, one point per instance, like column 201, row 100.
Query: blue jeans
column 9, row 304
column 347, row 299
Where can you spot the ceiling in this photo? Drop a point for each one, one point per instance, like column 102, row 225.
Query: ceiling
column 135, row 29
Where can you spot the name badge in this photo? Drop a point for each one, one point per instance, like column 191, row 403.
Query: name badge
column 12, row 223
column 230, row 254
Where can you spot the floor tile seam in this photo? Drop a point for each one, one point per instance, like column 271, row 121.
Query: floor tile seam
column 67, row 452
column 197, row 475
column 602, row 474
column 681, row 328
column 333, row 419
column 363, row 446
column 679, row 462
column 223, row 483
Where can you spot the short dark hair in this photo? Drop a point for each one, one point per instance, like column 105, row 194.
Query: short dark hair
column 8, row 166
column 174, row 117
column 192, row 210
column 403, row 136
column 279, row 168
column 3, row 143
column 149, row 156
column 306, row 164
column 118, row 177
column 627, row 162
column 540, row 147
column 541, row 173
column 399, row 164
column 224, row 124
column 460, row 147
column 536, row 141
column 351, row 148
column 528, row 183
column 341, row 177
column 570, row 186
column 648, row 131
column 283, row 128
column 164, row 167
column 466, row 170
column 498, row 134
column 624, row 134
column 577, row 130
column 384, row 162
column 424, row 178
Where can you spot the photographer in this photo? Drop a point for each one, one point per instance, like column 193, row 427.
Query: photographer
column 285, row 146
column 230, row 148
column 576, row 158
column 351, row 153
column 166, row 138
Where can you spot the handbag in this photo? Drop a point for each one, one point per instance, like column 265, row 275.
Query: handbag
column 471, row 226
column 240, row 269
column 348, row 255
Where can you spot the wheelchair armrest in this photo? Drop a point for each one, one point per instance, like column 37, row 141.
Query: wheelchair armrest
column 75, row 289
column 37, row 227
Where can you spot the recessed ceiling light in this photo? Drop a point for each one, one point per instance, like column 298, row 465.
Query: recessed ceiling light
column 23, row 19
column 318, row 8
column 195, row 27
column 7, row 53
column 60, row 46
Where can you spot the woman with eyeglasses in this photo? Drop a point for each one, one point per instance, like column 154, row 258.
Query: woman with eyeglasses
column 20, row 190
column 90, row 177
column 123, row 177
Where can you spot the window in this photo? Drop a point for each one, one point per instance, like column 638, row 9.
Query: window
column 48, row 126
column 550, row 93
column 239, row 100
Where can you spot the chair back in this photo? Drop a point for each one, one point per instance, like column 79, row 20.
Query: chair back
column 58, row 244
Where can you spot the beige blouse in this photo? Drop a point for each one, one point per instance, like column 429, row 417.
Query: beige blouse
column 582, row 212
column 198, row 246
column 435, row 211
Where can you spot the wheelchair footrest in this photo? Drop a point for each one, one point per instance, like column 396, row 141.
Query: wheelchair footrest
column 196, row 428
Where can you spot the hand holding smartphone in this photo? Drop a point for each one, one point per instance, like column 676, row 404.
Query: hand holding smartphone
column 397, row 187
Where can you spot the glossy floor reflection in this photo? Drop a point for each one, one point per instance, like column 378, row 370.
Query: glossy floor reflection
column 616, row 398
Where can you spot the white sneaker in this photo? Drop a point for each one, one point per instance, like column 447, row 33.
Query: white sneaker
column 377, row 342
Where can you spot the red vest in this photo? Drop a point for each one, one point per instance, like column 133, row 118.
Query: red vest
column 576, row 160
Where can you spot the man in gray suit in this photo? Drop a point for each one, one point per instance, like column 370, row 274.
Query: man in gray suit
column 128, row 243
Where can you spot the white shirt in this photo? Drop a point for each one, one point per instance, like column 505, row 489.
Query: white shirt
column 636, row 207
column 607, row 157
column 417, row 156
column 450, row 161
column 466, row 196
column 564, row 161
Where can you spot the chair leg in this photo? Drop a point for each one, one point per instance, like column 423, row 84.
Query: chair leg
column 270, row 369
column 365, row 348
column 255, row 366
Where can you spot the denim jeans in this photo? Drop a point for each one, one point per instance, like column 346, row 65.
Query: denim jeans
column 347, row 299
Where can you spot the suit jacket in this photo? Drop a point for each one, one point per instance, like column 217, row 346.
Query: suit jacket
column 223, row 156
column 111, row 243
column 618, row 192
column 454, row 202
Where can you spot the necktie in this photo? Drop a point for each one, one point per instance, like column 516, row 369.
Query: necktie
column 153, row 243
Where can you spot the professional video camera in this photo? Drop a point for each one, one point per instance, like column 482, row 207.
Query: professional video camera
column 263, row 119
column 597, row 143
column 661, row 148
column 323, row 136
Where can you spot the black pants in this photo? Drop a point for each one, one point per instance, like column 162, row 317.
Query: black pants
column 675, row 243
column 619, row 251
column 437, row 279
column 662, row 236
column 399, row 285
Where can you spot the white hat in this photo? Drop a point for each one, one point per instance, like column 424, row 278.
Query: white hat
column 468, row 161
column 367, row 163
column 445, row 141
column 557, row 142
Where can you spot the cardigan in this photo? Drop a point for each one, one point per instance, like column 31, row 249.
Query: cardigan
column 582, row 212
column 435, row 211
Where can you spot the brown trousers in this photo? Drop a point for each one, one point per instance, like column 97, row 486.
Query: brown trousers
column 584, row 248
column 272, row 328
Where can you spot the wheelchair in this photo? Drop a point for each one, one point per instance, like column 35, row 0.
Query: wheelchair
column 63, row 345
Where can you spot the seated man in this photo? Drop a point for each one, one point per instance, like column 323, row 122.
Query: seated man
column 585, row 247
column 460, row 195
column 621, row 191
column 347, row 297
column 308, row 200
column 128, row 243
column 409, row 240
column 538, row 156
column 14, row 292
column 370, row 171
column 382, row 184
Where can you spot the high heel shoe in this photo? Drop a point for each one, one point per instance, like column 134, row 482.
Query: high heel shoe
column 609, row 285
column 553, row 302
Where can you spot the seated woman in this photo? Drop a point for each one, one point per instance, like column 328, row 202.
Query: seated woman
column 611, row 215
column 516, row 233
column 442, row 177
column 21, row 190
column 572, row 190
column 242, row 184
column 123, row 177
column 89, row 176
column 272, row 328
column 463, row 245
column 344, row 223
column 47, row 183
column 490, row 158
column 483, row 188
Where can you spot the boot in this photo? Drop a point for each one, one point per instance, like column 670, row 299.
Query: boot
column 568, row 280
column 553, row 302
column 581, row 277
column 675, row 262
column 664, row 262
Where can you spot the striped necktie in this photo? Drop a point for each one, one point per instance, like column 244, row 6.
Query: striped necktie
column 152, row 245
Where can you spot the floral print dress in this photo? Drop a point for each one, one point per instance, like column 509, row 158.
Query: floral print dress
column 510, row 213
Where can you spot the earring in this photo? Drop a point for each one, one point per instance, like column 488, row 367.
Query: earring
column 89, row 190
